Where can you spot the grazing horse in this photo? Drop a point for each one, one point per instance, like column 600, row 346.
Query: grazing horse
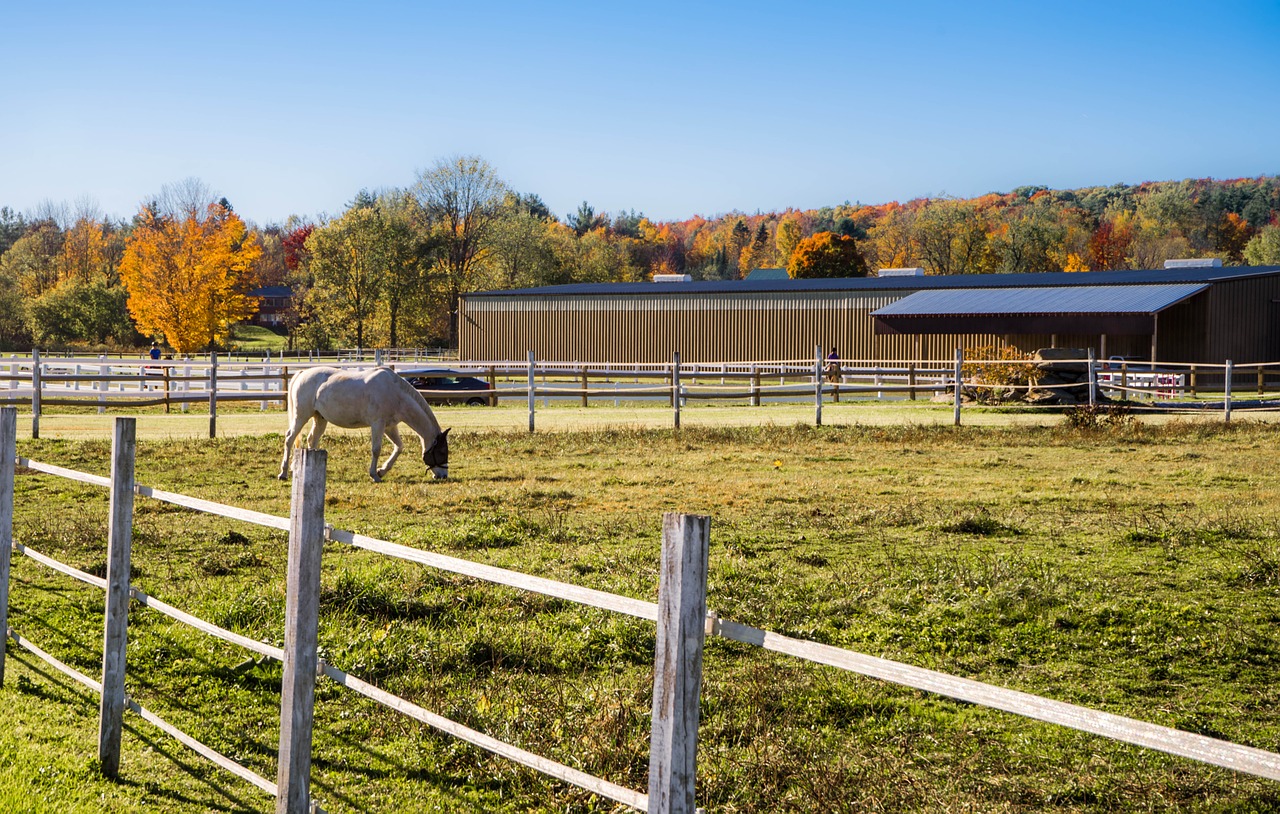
column 378, row 399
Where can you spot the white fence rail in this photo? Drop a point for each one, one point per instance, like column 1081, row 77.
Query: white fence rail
column 681, row 614
column 103, row 383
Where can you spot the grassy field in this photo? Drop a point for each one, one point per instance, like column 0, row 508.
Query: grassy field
column 1133, row 568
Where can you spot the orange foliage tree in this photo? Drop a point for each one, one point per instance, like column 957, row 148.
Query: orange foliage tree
column 188, row 277
column 827, row 254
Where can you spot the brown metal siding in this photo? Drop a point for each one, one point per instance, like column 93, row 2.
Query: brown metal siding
column 704, row 328
column 1234, row 319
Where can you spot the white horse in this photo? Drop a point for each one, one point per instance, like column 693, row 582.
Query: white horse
column 378, row 399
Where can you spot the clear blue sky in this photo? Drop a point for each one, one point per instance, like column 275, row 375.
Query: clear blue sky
column 672, row 109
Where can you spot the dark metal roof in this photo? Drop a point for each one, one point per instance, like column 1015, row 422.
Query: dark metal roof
column 1045, row 280
column 1101, row 309
column 272, row 291
column 1089, row 299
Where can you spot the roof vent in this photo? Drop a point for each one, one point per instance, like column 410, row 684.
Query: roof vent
column 911, row 272
column 672, row 278
column 1194, row 263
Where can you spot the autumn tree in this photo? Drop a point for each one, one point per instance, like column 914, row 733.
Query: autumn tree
column 1264, row 248
column 522, row 250
column 461, row 198
column 787, row 237
column 188, row 275
column 348, row 267
column 827, row 254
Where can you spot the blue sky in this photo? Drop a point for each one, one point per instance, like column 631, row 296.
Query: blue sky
column 671, row 109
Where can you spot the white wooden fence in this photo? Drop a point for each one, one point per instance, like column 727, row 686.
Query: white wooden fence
column 681, row 616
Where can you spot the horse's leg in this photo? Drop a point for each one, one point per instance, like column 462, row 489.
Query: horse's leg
column 296, row 424
column 317, row 430
column 375, row 441
column 393, row 434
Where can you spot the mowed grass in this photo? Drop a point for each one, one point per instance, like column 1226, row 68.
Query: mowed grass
column 1134, row 569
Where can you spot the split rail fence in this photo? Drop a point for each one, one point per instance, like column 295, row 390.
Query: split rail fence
column 102, row 383
column 681, row 615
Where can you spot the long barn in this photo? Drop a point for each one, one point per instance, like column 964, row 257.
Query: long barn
column 1186, row 314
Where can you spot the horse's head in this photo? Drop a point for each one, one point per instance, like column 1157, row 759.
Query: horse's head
column 436, row 456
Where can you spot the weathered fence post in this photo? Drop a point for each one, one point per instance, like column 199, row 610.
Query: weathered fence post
column 493, row 387
column 35, row 393
column 817, row 387
column 532, row 390
column 1226, row 401
column 213, row 395
column 911, row 379
column 1093, row 380
column 755, row 385
column 302, row 607
column 675, row 386
column 8, row 452
column 584, row 385
column 1262, row 380
column 677, row 676
column 116, row 625
column 1193, row 381
column 959, row 382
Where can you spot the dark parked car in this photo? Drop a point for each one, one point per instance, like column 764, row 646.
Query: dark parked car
column 447, row 387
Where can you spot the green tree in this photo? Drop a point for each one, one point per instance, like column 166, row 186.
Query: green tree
column 1264, row 248
column 348, row 269
column 523, row 252
column 950, row 238
column 827, row 254
column 461, row 198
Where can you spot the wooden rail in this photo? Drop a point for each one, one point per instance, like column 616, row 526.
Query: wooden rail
column 681, row 614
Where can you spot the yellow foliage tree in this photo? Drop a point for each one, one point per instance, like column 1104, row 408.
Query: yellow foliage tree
column 188, row 278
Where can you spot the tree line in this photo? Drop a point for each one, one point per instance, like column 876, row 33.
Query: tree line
column 389, row 269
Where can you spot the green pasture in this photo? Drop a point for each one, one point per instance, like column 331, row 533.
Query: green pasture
column 1132, row 566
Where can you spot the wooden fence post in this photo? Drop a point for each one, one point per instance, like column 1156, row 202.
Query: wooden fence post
column 532, row 390
column 1262, row 380
column 959, row 382
column 493, row 387
column 817, row 386
column 35, row 393
column 116, row 625
column 911, row 379
column 302, row 607
column 677, row 675
column 213, row 395
column 755, row 385
column 675, row 386
column 1193, row 381
column 1226, row 401
column 8, row 452
column 1093, row 380
column 584, row 385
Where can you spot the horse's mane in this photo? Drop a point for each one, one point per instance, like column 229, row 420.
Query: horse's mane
column 412, row 396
